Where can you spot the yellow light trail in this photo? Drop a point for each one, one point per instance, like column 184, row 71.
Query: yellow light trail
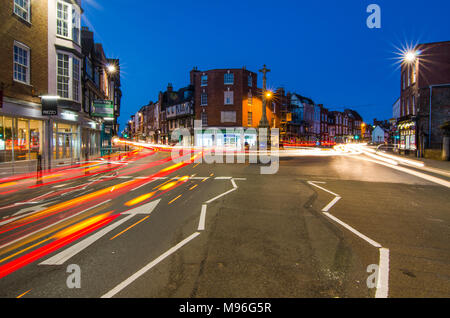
column 7, row 184
column 24, row 250
column 55, row 228
column 168, row 186
column 164, row 182
column 21, row 295
column 79, row 226
column 195, row 186
column 175, row 199
column 66, row 204
column 130, row 227
column 139, row 199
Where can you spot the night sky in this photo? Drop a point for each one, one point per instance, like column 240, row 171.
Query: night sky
column 320, row 49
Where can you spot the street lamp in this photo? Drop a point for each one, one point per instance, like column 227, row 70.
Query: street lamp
column 410, row 56
column 111, row 68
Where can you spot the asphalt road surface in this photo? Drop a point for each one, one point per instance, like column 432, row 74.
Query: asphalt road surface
column 143, row 226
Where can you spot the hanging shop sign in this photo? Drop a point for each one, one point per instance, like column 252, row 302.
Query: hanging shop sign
column 103, row 108
column 49, row 105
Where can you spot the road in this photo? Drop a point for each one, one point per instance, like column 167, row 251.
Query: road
column 143, row 226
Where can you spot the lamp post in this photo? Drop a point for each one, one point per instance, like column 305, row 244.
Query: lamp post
column 264, row 123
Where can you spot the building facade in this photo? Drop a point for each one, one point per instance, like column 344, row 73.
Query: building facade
column 424, row 98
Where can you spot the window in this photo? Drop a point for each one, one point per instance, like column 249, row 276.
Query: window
column 75, row 26
column 250, row 99
column 63, row 76
column 228, row 79
column 409, row 76
column 404, row 80
column 76, row 79
column 88, row 70
column 414, row 105
column 68, row 21
column 250, row 119
column 22, row 9
column 414, row 74
column 228, row 98
column 228, row 117
column 62, row 19
column 68, row 76
column 250, row 81
column 204, row 119
column 204, row 99
column 21, row 63
column 204, row 80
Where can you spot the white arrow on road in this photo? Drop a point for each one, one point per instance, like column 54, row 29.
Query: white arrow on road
column 25, row 212
column 65, row 255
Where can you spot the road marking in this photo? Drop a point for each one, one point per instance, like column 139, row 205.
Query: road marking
column 412, row 172
column 142, row 185
column 196, row 165
column 330, row 205
column 149, row 266
column 193, row 187
column 201, row 223
column 383, row 266
column 175, row 199
column 68, row 253
column 223, row 178
column 351, row 229
column 23, row 213
column 60, row 185
column 204, row 179
column 383, row 274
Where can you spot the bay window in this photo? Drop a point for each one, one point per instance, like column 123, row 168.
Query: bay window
column 68, row 76
column 68, row 21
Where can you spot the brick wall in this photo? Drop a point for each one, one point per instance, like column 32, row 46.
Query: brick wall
column 215, row 90
column 33, row 35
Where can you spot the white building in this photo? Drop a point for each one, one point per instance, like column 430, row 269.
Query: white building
column 379, row 135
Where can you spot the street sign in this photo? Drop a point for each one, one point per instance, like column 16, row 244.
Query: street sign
column 103, row 108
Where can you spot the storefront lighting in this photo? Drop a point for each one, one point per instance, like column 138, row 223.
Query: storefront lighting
column 69, row 116
column 49, row 97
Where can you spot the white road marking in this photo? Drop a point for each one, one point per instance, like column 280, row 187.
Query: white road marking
column 351, row 229
column 49, row 226
column 149, row 266
column 383, row 274
column 68, row 253
column 330, row 205
column 412, row 172
column 383, row 267
column 223, row 178
column 60, row 185
column 201, row 223
column 220, row 195
column 142, row 185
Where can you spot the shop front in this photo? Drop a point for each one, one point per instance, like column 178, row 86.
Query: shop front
column 407, row 136
column 21, row 139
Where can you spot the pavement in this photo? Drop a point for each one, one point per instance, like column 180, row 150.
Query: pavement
column 144, row 226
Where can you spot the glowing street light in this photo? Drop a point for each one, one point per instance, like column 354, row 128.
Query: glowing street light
column 111, row 68
column 410, row 56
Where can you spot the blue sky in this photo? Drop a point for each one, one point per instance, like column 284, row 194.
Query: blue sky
column 320, row 49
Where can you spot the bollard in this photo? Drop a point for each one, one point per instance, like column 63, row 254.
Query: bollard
column 39, row 170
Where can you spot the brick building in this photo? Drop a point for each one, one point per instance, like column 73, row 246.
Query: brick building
column 424, row 98
column 23, row 78
column 229, row 98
